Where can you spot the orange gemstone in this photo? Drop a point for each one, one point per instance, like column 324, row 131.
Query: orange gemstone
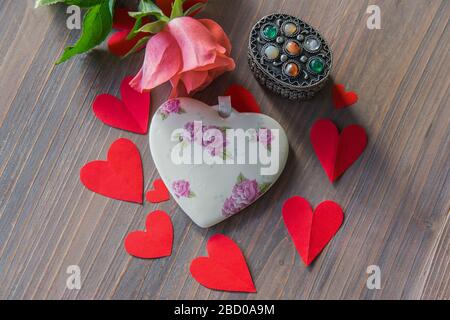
column 293, row 48
column 292, row 69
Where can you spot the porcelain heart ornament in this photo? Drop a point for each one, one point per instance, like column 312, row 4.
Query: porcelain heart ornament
column 215, row 164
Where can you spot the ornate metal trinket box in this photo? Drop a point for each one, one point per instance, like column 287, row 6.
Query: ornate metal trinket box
column 289, row 57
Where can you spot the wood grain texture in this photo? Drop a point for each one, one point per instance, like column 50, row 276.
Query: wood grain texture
column 396, row 197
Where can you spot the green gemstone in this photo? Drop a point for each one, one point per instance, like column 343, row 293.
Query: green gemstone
column 317, row 65
column 270, row 32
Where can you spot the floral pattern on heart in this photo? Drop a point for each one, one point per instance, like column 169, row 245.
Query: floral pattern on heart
column 170, row 107
column 244, row 193
column 211, row 179
column 182, row 189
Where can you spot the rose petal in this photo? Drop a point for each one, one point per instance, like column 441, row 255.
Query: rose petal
column 198, row 46
column 193, row 81
column 197, row 80
column 162, row 62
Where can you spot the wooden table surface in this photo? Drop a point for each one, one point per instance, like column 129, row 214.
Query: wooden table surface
column 396, row 197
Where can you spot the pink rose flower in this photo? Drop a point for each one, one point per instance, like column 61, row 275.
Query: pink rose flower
column 181, row 188
column 189, row 53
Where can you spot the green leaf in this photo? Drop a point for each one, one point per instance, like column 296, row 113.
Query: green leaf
column 97, row 24
column 153, row 27
column 177, row 9
column 137, row 46
column 40, row 3
column 240, row 178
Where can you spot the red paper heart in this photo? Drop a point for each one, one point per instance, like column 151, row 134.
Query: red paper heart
column 225, row 269
column 118, row 44
column 156, row 241
column 343, row 99
column 159, row 192
column 131, row 113
column 337, row 152
column 120, row 176
column 311, row 231
column 242, row 100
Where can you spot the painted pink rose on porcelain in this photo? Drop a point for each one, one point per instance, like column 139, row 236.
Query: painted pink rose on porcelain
column 244, row 193
column 189, row 53
column 200, row 136
column 192, row 132
column 182, row 189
